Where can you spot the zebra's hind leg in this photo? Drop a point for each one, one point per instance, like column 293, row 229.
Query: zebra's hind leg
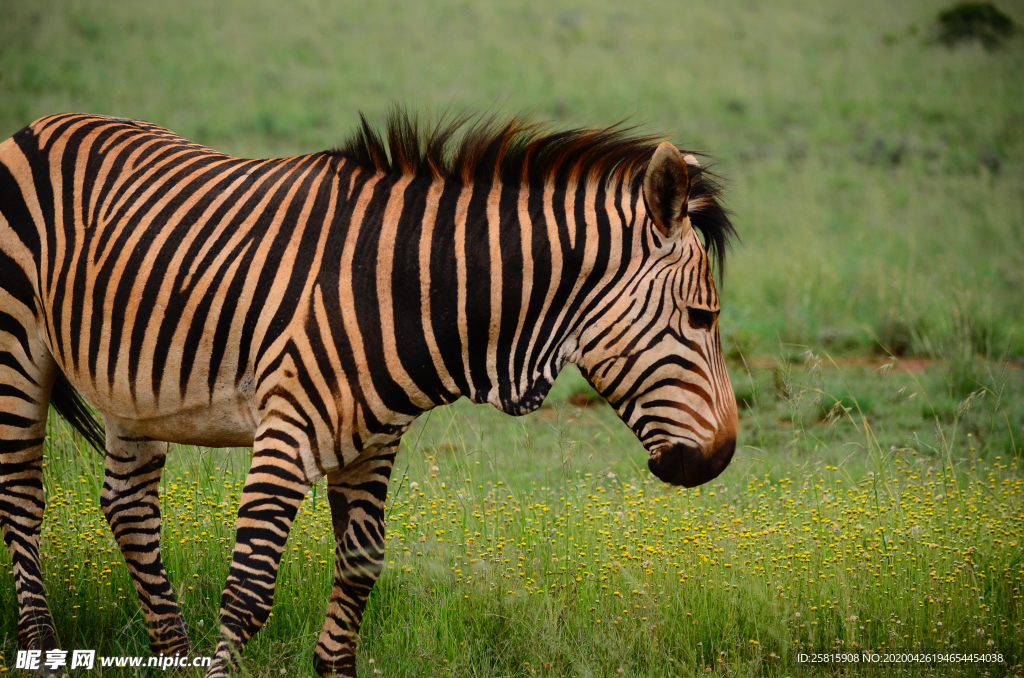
column 274, row 490
column 357, row 494
column 131, row 503
column 24, row 401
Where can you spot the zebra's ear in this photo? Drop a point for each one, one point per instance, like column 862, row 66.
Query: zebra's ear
column 666, row 191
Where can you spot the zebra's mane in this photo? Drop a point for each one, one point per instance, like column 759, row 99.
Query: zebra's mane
column 520, row 150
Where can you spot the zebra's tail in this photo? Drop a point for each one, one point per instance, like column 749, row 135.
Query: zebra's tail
column 70, row 405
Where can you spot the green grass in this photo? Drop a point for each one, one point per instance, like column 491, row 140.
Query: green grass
column 510, row 538
column 875, row 178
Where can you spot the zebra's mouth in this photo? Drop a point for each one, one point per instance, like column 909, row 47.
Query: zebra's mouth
column 688, row 465
column 668, row 464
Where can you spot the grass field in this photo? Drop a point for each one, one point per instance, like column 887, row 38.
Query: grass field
column 867, row 510
column 875, row 177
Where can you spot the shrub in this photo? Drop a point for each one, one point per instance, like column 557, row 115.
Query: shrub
column 980, row 21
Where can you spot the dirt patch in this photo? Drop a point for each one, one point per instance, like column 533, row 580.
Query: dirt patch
column 581, row 399
column 909, row 364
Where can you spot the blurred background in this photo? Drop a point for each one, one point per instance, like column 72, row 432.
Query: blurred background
column 873, row 162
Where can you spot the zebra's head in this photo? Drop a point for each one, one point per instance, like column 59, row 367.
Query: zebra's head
column 655, row 353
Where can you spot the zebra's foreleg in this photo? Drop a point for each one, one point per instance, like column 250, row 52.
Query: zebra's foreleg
column 131, row 503
column 274, row 489
column 357, row 494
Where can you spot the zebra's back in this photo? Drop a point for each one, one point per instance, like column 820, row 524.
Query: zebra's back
column 163, row 272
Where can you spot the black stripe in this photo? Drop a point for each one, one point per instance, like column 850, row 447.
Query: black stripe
column 444, row 315
column 542, row 280
column 406, row 302
column 367, row 305
column 10, row 325
column 510, row 241
column 15, row 210
column 15, row 281
column 478, row 289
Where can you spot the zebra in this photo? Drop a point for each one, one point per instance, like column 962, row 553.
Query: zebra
column 312, row 307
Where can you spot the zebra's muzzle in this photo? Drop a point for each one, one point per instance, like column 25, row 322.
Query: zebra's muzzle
column 688, row 466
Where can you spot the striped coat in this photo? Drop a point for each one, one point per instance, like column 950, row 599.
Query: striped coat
column 313, row 307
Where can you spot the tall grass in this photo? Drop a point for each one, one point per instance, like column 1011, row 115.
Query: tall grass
column 858, row 515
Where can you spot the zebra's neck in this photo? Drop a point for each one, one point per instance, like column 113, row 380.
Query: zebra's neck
column 480, row 289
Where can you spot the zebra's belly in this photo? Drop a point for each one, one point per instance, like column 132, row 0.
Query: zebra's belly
column 209, row 427
column 228, row 419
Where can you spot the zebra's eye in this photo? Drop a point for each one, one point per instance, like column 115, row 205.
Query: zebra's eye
column 701, row 319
